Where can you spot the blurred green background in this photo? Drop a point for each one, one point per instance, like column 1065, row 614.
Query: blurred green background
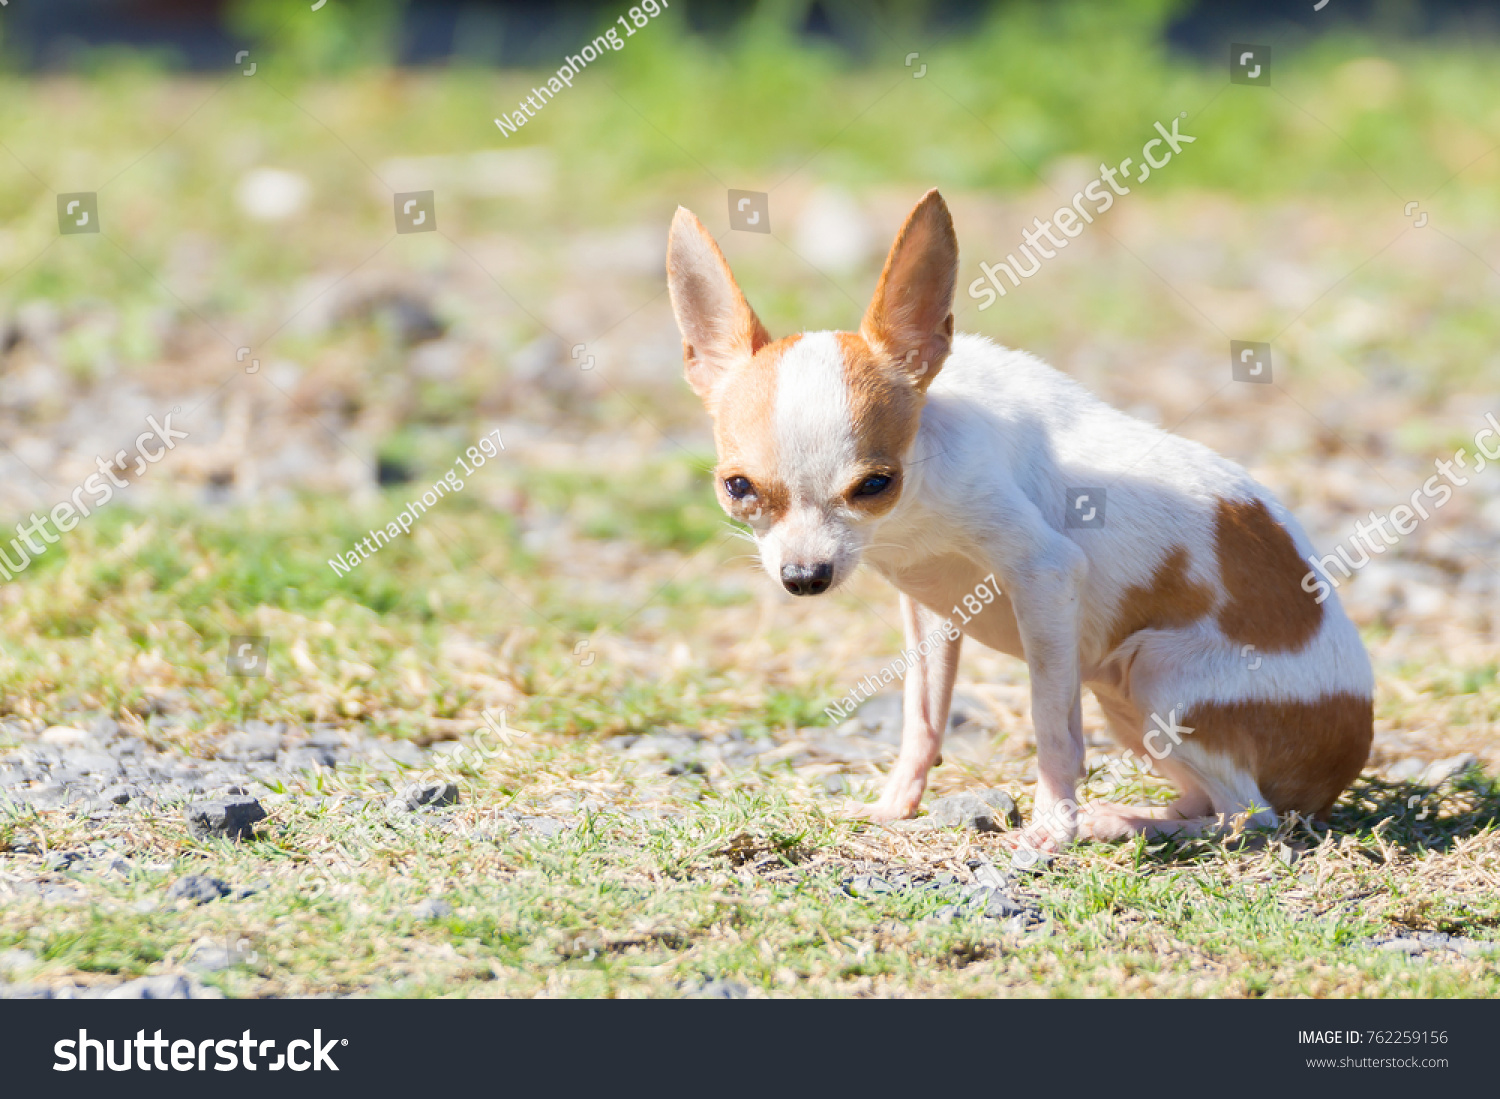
column 256, row 211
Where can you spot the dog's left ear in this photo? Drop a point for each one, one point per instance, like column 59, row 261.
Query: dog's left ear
column 910, row 319
column 718, row 326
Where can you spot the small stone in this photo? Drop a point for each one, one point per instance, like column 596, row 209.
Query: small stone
column 58, row 861
column 994, row 904
column 546, row 827
column 1030, row 859
column 110, row 865
column 1403, row 946
column 152, row 988
column 64, row 736
column 309, row 757
column 82, row 761
column 122, row 793
column 47, row 797
column 1450, row 768
column 986, row 873
column 719, row 990
column 867, row 885
column 965, row 811
column 1004, row 806
column 256, row 743
column 197, row 888
column 232, row 818
column 433, row 908
column 211, row 959
column 16, row 961
column 432, row 793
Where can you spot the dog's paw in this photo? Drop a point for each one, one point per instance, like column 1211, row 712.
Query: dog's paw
column 1106, row 821
column 1034, row 839
column 882, row 811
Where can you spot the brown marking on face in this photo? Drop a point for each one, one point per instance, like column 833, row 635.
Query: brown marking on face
column 1266, row 605
column 744, row 414
column 1302, row 754
column 1171, row 600
column 886, row 410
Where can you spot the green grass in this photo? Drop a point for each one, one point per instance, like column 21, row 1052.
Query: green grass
column 731, row 874
column 591, row 596
column 749, row 886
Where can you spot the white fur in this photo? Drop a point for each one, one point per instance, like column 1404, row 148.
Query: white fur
column 815, row 450
column 1003, row 436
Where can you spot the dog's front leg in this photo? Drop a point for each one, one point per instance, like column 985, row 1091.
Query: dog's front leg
column 1046, row 602
column 928, row 692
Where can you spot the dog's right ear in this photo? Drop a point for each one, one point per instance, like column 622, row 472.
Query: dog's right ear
column 718, row 326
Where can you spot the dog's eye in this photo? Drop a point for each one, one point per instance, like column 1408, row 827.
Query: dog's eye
column 873, row 485
column 738, row 487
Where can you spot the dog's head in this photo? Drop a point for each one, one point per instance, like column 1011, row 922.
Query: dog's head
column 813, row 430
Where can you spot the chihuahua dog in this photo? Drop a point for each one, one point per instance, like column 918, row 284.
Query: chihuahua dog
column 949, row 465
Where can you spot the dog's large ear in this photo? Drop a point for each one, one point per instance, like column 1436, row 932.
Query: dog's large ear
column 910, row 319
column 718, row 326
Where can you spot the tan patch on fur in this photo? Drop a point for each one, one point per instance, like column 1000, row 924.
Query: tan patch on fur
column 886, row 411
column 1171, row 600
column 1303, row 755
column 744, row 412
column 1262, row 573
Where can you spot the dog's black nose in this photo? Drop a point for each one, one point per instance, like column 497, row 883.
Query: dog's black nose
column 807, row 579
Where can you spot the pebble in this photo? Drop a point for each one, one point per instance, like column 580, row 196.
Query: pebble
column 16, row 961
column 210, row 958
column 431, row 793
column 197, row 889
column 173, row 987
column 985, row 898
column 717, row 990
column 231, row 818
column 1430, row 774
column 256, row 743
column 990, row 811
column 433, row 908
column 57, row 861
column 1419, row 943
column 546, row 827
column 309, row 757
column 122, row 793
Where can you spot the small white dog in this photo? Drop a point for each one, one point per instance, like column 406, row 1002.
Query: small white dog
column 1176, row 595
